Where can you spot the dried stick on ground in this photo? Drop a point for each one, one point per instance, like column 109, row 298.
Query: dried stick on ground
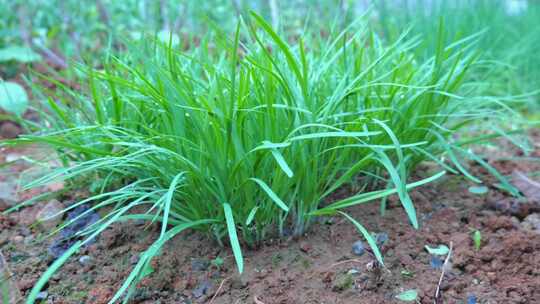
column 219, row 289
column 445, row 265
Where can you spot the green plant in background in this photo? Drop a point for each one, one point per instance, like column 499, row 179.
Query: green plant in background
column 64, row 30
column 18, row 54
column 508, row 40
column 13, row 98
column 243, row 138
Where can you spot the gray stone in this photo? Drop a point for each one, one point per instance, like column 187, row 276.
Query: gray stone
column 239, row 281
column 381, row 238
column 85, row 260
column 8, row 194
column 44, row 216
column 435, row 262
column 530, row 188
column 201, row 289
column 358, row 248
column 532, row 222
column 42, row 296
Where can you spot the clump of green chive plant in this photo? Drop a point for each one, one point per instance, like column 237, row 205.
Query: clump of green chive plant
column 244, row 137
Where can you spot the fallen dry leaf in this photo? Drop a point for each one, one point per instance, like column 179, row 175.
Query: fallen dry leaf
column 527, row 186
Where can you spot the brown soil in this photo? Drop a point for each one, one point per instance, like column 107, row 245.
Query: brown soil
column 317, row 268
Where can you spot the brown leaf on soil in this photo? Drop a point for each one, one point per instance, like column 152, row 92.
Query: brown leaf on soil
column 514, row 206
column 527, row 186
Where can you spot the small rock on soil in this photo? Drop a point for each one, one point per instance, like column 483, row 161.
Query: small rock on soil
column 358, row 248
column 45, row 216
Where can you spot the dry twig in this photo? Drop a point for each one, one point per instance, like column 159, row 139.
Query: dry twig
column 445, row 265
column 218, row 290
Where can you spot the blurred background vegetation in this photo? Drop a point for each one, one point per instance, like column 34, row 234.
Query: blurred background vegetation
column 57, row 33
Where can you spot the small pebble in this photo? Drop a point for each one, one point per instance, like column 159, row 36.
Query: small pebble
column 25, row 231
column 202, row 289
column 381, row 238
column 471, row 299
column 134, row 259
column 239, row 282
column 42, row 295
column 358, row 248
column 85, row 260
column 305, row 247
column 435, row 262
column 353, row 271
column 199, row 265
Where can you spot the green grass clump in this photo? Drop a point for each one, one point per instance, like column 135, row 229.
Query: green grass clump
column 247, row 137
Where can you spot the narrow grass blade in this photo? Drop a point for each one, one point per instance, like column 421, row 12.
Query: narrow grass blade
column 235, row 243
column 51, row 271
column 371, row 241
column 271, row 194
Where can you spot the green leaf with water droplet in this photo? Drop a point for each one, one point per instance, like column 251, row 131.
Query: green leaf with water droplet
column 478, row 189
column 440, row 250
column 408, row 295
column 18, row 53
column 13, row 98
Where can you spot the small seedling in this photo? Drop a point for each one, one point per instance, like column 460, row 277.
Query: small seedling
column 477, row 239
column 407, row 273
column 217, row 262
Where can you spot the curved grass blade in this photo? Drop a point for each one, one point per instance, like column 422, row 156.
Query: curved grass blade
column 151, row 252
column 235, row 244
column 168, row 201
column 370, row 240
column 271, row 194
column 400, row 188
column 369, row 196
column 51, row 271
column 281, row 162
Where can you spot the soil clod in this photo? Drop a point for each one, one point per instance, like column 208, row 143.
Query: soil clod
column 201, row 289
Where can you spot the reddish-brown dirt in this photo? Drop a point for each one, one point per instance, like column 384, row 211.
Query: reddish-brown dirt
column 319, row 267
